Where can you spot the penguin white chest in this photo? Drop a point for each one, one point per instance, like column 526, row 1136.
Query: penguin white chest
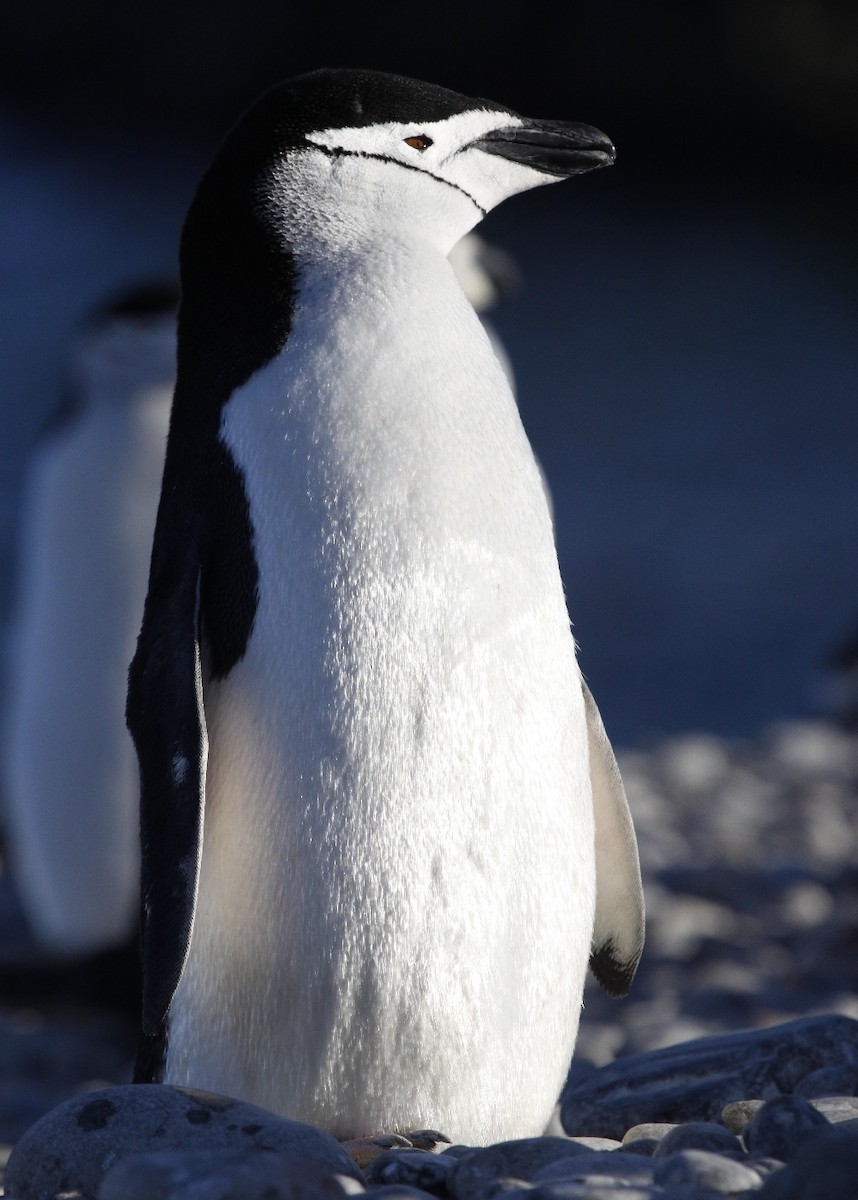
column 397, row 885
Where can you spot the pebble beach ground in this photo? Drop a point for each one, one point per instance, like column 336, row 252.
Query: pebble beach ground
column 748, row 850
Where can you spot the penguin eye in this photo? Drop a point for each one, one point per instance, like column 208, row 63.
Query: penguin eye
column 420, row 141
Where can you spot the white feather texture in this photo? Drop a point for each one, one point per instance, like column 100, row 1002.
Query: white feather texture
column 398, row 767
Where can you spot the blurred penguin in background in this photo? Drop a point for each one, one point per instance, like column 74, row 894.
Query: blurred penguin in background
column 88, row 511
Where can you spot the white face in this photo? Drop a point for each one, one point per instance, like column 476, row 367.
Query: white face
column 424, row 180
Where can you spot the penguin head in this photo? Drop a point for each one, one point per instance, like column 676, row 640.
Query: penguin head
column 337, row 158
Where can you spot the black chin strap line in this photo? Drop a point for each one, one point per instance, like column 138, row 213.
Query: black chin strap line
column 338, row 152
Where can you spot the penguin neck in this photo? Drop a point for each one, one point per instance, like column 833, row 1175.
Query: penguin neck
column 395, row 301
column 385, row 353
column 397, row 275
column 367, row 258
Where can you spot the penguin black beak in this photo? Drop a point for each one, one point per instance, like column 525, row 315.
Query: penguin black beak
column 552, row 147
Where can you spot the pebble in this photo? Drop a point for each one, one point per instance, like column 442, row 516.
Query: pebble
column 740, row 1113
column 73, row 1146
column 249, row 1174
column 695, row 1079
column 763, row 1164
column 836, row 1109
column 828, row 1081
column 584, row 1191
column 600, row 1170
column 475, row 1176
column 394, row 1191
column 781, row 1125
column 644, row 1146
column 703, row 1169
column 698, row 1135
column 824, row 1167
column 415, row 1168
column 648, row 1131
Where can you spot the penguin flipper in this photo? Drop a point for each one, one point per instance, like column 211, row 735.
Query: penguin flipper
column 166, row 717
column 618, row 929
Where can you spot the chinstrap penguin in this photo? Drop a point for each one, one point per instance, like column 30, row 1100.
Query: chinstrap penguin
column 372, row 877
column 88, row 511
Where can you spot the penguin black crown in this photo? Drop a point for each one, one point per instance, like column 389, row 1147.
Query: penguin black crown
column 383, row 831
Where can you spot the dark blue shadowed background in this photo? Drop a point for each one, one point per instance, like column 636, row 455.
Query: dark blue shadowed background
column 684, row 336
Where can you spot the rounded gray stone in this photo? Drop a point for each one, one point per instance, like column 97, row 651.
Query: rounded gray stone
column 781, row 1126
column 703, row 1169
column 740, row 1113
column 566, row 1190
column 648, row 1131
column 828, row 1081
column 645, row 1147
column 412, row 1168
column 824, row 1167
column 253, row 1174
column 600, row 1168
column 763, row 1165
column 476, row 1176
column 836, row 1109
column 695, row 1080
column 698, row 1135
column 644, row 1139
column 72, row 1147
column 396, row 1191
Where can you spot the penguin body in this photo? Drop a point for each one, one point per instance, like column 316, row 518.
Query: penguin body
column 369, row 875
column 90, row 499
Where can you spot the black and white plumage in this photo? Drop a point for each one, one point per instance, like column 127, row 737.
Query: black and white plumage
column 369, row 863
